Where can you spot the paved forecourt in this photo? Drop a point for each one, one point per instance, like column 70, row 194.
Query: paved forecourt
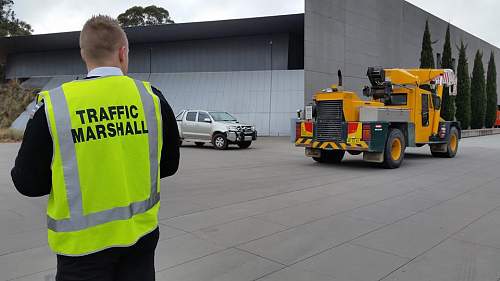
column 268, row 213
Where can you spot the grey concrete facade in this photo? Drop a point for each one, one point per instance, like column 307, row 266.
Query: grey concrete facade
column 248, row 53
column 353, row 34
column 266, row 99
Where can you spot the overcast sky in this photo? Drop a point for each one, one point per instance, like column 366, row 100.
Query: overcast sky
column 478, row 17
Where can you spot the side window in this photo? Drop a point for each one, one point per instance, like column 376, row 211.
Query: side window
column 425, row 110
column 191, row 116
column 399, row 99
column 202, row 116
column 179, row 116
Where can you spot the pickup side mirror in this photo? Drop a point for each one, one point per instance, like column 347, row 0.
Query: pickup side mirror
column 207, row 120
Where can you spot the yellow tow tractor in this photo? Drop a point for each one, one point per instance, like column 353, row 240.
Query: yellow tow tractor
column 402, row 110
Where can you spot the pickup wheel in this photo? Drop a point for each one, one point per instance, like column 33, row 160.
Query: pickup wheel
column 199, row 144
column 219, row 141
column 244, row 144
column 394, row 149
column 330, row 156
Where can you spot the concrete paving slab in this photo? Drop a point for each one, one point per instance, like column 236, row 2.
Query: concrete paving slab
column 451, row 261
column 221, row 215
column 276, row 185
column 228, row 265
column 237, row 211
column 309, row 212
column 17, row 242
column 296, row 273
column 48, row 275
column 181, row 249
column 418, row 233
column 238, row 232
column 304, row 241
column 410, row 237
column 411, row 202
column 167, row 232
column 175, row 208
column 485, row 231
column 380, row 214
column 350, row 262
column 26, row 263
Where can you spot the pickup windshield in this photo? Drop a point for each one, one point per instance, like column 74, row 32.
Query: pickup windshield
column 222, row 116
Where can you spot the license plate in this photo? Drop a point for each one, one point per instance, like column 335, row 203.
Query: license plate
column 248, row 138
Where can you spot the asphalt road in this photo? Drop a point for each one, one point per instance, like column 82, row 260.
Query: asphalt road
column 268, row 213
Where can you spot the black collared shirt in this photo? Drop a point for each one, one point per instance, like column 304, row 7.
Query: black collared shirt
column 32, row 174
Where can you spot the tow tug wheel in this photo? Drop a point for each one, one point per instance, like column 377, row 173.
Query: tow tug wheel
column 451, row 147
column 394, row 149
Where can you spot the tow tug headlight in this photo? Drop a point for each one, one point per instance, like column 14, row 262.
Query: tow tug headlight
column 442, row 132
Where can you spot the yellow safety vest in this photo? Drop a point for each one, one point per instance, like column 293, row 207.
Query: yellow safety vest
column 107, row 135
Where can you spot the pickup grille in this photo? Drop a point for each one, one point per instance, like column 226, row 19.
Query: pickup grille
column 329, row 120
column 246, row 129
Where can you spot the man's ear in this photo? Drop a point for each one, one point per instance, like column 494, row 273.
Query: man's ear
column 82, row 54
column 122, row 54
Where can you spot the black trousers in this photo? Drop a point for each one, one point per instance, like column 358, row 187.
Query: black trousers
column 114, row 264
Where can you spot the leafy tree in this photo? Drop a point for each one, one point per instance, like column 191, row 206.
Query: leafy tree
column 9, row 24
column 491, row 93
column 478, row 93
column 448, row 110
column 142, row 16
column 426, row 55
column 463, row 88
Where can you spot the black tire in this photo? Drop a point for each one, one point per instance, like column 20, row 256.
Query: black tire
column 330, row 156
column 451, row 146
column 244, row 144
column 199, row 144
column 395, row 147
column 219, row 141
column 354, row 152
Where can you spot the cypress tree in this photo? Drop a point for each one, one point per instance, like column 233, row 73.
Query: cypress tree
column 463, row 88
column 426, row 55
column 478, row 93
column 448, row 110
column 491, row 93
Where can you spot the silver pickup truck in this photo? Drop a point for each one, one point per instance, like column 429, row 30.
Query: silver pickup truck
column 218, row 128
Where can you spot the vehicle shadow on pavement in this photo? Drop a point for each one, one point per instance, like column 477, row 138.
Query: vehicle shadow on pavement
column 418, row 155
column 349, row 164
column 209, row 147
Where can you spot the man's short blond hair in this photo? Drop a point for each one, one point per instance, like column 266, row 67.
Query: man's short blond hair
column 101, row 37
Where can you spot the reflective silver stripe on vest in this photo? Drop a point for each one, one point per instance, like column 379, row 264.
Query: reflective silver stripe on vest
column 77, row 220
column 67, row 150
column 152, row 124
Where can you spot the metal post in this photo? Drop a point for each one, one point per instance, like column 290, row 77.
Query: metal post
column 271, row 86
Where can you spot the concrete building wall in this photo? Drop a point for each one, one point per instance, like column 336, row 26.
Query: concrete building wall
column 221, row 54
column 266, row 99
column 352, row 35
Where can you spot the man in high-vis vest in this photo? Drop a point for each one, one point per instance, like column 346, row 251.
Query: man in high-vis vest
column 99, row 146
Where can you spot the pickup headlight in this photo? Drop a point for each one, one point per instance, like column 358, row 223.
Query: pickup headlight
column 253, row 128
column 233, row 128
